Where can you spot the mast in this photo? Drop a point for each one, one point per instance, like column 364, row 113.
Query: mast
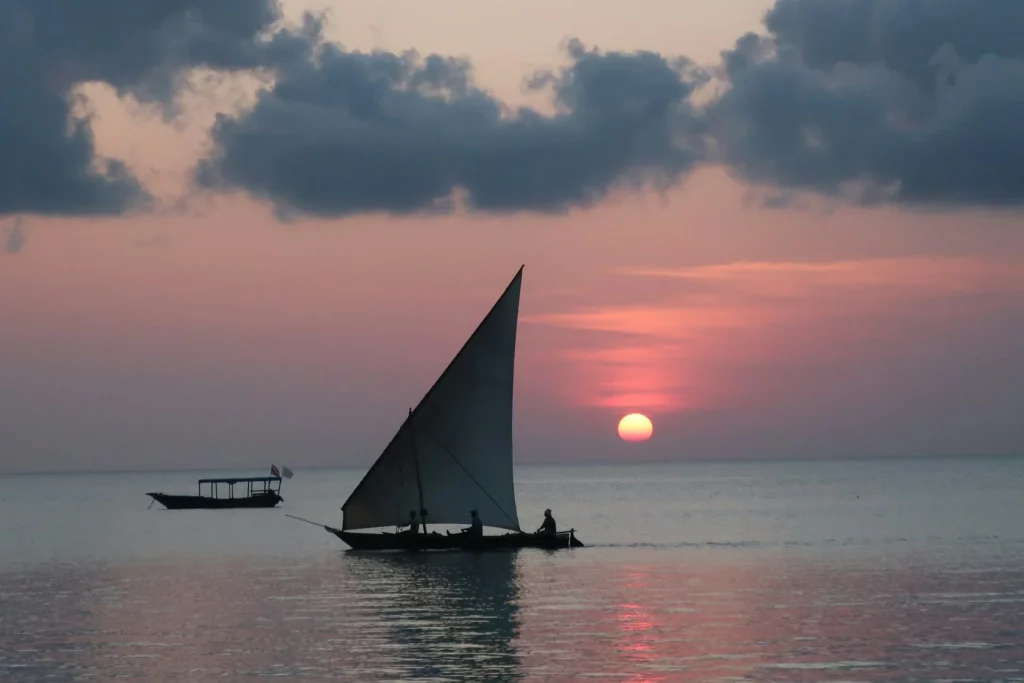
column 419, row 479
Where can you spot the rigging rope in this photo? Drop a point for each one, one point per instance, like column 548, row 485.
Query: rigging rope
column 472, row 478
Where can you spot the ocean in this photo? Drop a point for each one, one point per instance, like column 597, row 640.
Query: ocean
column 852, row 570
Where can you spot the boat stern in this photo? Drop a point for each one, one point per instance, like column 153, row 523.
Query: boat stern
column 573, row 541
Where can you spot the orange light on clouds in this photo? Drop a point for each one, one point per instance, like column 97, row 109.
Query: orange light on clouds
column 713, row 342
column 636, row 377
column 635, row 427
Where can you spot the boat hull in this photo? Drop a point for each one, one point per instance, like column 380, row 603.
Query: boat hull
column 173, row 502
column 436, row 541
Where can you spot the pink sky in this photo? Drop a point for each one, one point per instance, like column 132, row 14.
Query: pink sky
column 217, row 336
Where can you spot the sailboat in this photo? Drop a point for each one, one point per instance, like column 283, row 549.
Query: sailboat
column 452, row 455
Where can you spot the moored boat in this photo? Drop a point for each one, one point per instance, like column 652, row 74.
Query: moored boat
column 259, row 493
column 453, row 454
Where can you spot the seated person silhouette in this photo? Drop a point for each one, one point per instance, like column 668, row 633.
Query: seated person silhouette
column 548, row 528
column 413, row 524
column 476, row 527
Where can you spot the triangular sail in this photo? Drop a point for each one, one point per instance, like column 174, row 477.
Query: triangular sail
column 459, row 438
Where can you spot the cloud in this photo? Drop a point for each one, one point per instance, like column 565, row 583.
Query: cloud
column 897, row 101
column 140, row 47
column 350, row 132
column 926, row 276
column 14, row 237
column 146, row 47
column 49, row 161
column 902, row 35
column 873, row 101
column 901, row 101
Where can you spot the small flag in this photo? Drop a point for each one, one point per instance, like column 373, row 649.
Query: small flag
column 286, row 472
column 274, row 472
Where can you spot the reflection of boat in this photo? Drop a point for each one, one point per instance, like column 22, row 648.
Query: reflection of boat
column 259, row 493
column 452, row 454
column 453, row 616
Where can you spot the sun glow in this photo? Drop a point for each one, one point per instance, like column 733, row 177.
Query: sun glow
column 635, row 427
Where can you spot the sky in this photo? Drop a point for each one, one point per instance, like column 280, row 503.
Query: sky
column 235, row 232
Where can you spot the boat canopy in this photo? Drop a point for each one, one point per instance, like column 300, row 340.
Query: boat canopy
column 453, row 453
column 236, row 480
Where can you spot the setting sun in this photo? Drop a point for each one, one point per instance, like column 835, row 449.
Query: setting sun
column 635, row 427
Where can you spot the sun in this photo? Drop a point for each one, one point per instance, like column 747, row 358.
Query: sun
column 635, row 427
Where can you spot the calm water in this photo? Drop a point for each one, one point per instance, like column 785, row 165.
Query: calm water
column 906, row 570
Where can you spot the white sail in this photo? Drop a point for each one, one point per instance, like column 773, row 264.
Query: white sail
column 454, row 451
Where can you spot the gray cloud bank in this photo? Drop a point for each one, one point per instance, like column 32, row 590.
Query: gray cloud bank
column 915, row 102
column 140, row 47
column 353, row 132
column 918, row 102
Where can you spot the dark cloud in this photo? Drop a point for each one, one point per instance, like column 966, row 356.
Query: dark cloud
column 49, row 163
column 146, row 47
column 14, row 238
column 903, row 35
column 349, row 132
column 916, row 102
column 142, row 47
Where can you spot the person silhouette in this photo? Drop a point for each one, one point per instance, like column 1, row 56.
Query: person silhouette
column 548, row 528
column 476, row 527
column 413, row 524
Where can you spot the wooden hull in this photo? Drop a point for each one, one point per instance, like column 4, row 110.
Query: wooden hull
column 171, row 502
column 436, row 541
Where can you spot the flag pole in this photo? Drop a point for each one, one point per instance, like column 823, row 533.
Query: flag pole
column 275, row 473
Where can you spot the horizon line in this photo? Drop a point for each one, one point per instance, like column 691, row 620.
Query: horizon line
column 576, row 463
